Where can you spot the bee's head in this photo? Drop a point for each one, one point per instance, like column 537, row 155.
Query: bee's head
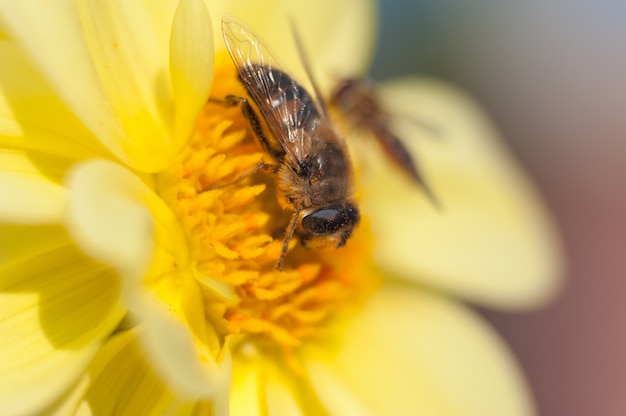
column 333, row 224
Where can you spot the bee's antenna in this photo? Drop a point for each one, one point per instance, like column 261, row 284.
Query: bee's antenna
column 319, row 103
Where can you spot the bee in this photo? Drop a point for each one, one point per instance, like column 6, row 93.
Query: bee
column 314, row 176
column 357, row 100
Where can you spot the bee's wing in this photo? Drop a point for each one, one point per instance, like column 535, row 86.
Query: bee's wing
column 246, row 48
column 286, row 106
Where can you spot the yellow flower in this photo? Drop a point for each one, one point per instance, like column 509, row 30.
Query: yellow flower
column 132, row 281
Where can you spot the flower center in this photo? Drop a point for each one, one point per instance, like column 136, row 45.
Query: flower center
column 235, row 230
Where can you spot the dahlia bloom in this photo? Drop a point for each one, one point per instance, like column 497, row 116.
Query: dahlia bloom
column 133, row 281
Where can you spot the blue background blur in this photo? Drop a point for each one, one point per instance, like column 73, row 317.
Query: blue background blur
column 553, row 77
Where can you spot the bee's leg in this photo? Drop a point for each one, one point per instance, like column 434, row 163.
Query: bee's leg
column 265, row 167
column 357, row 99
column 291, row 228
column 226, row 102
column 255, row 123
column 397, row 152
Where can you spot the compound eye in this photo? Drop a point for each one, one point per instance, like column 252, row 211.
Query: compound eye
column 328, row 221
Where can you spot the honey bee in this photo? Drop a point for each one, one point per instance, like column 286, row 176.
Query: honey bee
column 357, row 100
column 313, row 172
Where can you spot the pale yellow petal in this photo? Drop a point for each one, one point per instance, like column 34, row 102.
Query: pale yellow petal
column 133, row 70
column 107, row 65
column 264, row 383
column 281, row 399
column 69, row 403
column 170, row 349
column 109, row 218
column 246, row 395
column 31, row 114
column 117, row 219
column 30, row 189
column 56, row 307
column 51, row 34
column 492, row 241
column 191, row 64
column 336, row 395
column 411, row 353
column 183, row 349
column 338, row 37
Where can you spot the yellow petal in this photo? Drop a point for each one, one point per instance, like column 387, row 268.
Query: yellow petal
column 191, row 64
column 338, row 37
column 56, row 307
column 492, row 242
column 108, row 216
column 412, row 353
column 112, row 74
column 31, row 114
column 123, row 383
column 30, row 190
column 18, row 242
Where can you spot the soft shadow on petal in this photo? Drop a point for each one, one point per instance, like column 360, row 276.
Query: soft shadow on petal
column 191, row 65
column 338, row 37
column 492, row 241
column 30, row 187
column 123, row 383
column 56, row 307
column 33, row 117
column 412, row 353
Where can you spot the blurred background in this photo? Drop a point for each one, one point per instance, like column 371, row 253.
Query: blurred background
column 553, row 77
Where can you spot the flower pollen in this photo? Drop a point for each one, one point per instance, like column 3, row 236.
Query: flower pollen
column 235, row 227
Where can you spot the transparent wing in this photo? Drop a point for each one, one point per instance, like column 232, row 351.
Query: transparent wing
column 245, row 48
column 286, row 106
